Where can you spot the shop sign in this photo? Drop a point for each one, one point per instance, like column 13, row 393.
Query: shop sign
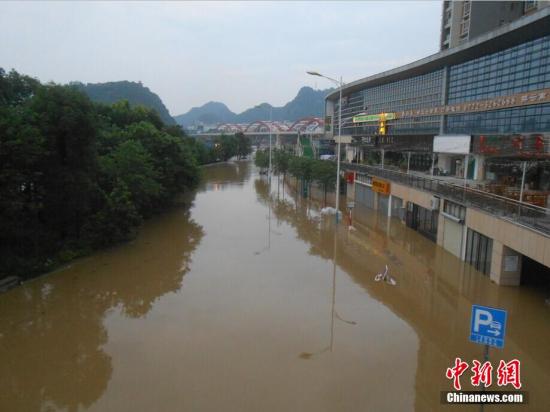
column 363, row 118
column 534, row 144
column 380, row 186
column 419, row 143
column 459, row 144
column 503, row 102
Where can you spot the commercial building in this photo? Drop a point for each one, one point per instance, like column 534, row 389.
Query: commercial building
column 464, row 20
column 458, row 146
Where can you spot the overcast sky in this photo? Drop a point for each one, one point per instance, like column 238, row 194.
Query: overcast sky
column 239, row 53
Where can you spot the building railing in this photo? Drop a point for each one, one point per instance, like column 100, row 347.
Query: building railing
column 534, row 217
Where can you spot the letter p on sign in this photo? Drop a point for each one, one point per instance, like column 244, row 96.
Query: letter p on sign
column 482, row 317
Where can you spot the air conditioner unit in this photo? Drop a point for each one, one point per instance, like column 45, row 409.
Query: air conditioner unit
column 434, row 203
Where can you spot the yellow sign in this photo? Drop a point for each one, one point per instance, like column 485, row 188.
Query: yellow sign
column 380, row 186
column 382, row 124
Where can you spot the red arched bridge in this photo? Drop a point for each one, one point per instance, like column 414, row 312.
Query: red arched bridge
column 307, row 125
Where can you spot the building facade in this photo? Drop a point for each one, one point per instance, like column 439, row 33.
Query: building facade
column 465, row 20
column 459, row 135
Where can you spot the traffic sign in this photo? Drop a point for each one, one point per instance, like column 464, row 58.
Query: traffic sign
column 488, row 326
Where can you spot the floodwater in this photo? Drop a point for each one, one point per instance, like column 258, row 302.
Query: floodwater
column 246, row 301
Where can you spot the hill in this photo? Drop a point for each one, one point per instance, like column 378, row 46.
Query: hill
column 308, row 102
column 209, row 113
column 135, row 93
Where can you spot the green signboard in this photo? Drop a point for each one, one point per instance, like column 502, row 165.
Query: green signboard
column 362, row 118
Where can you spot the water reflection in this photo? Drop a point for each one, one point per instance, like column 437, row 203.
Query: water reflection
column 434, row 294
column 52, row 330
column 222, row 176
column 188, row 317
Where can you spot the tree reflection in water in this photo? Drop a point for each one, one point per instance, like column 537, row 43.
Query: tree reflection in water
column 52, row 329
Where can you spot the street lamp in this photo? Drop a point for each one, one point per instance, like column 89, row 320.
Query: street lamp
column 270, row 121
column 340, row 85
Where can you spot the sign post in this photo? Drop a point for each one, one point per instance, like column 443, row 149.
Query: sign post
column 488, row 327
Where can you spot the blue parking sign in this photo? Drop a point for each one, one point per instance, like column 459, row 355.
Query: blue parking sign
column 488, row 326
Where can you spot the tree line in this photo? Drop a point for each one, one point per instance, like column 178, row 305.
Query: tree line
column 225, row 147
column 305, row 170
column 76, row 175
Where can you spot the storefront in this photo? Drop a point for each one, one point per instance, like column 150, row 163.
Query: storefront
column 504, row 177
column 453, row 156
column 422, row 220
column 382, row 188
column 397, row 209
column 364, row 195
column 479, row 250
column 513, row 159
column 453, row 227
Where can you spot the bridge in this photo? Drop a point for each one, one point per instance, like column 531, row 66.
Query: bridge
column 305, row 126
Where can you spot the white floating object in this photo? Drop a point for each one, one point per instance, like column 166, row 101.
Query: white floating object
column 381, row 276
column 328, row 211
column 385, row 277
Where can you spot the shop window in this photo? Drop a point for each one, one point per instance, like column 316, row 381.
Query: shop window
column 479, row 250
column 454, row 209
column 422, row 220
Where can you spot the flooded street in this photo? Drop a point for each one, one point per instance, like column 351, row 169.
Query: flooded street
column 247, row 301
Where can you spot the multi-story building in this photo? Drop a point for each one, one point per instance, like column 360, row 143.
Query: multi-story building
column 465, row 20
column 458, row 145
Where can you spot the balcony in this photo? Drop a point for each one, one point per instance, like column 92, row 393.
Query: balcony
column 531, row 216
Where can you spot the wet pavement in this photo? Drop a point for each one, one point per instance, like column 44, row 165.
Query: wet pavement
column 246, row 301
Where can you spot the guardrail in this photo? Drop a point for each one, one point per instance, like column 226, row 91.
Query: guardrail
column 534, row 217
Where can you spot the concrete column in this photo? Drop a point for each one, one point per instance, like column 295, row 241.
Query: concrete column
column 389, row 205
column 464, row 240
column 466, row 164
column 440, row 228
column 375, row 206
column 444, row 162
column 479, row 173
column 350, row 192
column 445, row 82
column 505, row 265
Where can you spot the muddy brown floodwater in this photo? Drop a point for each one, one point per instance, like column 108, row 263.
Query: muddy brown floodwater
column 247, row 301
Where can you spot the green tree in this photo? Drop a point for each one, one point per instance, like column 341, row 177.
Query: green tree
column 261, row 159
column 66, row 120
column 132, row 165
column 16, row 88
column 301, row 169
column 244, row 146
column 281, row 161
column 225, row 147
column 116, row 221
column 77, row 175
column 324, row 173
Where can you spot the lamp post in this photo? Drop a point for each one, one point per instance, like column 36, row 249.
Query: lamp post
column 340, row 85
column 270, row 117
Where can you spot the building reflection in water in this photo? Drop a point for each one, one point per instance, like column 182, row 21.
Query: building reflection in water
column 434, row 294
